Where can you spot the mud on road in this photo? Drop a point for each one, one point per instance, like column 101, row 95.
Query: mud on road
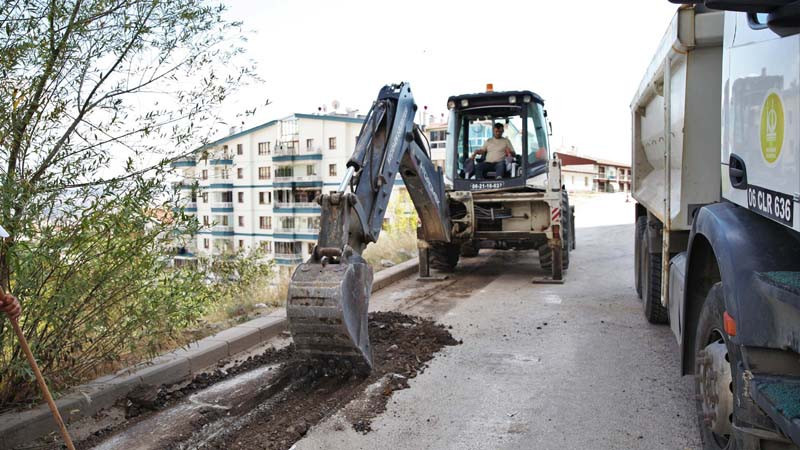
column 297, row 394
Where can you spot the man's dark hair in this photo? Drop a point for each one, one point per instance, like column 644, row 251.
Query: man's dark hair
column 499, row 125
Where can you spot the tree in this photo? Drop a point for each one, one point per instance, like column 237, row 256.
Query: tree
column 87, row 86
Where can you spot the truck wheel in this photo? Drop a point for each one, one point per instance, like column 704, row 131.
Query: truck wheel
column 470, row 249
column 572, row 227
column 444, row 257
column 651, row 285
column 641, row 226
column 715, row 362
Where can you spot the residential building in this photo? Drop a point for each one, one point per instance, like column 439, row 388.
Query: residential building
column 590, row 174
column 258, row 187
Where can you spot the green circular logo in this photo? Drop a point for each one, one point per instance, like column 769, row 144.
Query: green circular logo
column 772, row 128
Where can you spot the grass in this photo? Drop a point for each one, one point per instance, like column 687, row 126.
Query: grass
column 395, row 245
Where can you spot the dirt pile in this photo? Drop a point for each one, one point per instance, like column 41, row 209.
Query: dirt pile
column 402, row 346
column 302, row 393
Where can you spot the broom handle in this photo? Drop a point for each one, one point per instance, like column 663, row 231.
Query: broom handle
column 42, row 385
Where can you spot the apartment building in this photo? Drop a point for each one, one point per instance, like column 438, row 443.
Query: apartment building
column 257, row 188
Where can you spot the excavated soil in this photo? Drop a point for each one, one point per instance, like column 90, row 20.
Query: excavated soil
column 303, row 393
column 402, row 346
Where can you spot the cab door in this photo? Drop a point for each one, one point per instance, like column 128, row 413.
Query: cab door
column 761, row 83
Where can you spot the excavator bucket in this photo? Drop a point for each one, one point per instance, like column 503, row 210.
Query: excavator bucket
column 327, row 311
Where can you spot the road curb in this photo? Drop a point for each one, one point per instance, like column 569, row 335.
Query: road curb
column 17, row 428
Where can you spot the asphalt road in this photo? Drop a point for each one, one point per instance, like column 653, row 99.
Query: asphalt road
column 573, row 366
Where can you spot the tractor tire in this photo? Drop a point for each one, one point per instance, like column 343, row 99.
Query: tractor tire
column 638, row 266
column 710, row 333
column 651, row 285
column 470, row 249
column 545, row 253
column 444, row 257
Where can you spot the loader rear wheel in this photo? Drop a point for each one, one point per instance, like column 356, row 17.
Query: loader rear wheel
column 444, row 257
column 651, row 284
column 469, row 249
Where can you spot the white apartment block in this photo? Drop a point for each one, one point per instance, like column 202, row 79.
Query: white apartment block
column 258, row 187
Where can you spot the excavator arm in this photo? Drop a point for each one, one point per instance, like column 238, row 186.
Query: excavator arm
column 328, row 296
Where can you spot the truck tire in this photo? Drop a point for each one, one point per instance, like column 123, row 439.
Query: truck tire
column 444, row 257
column 638, row 266
column 470, row 249
column 545, row 253
column 715, row 393
column 651, row 285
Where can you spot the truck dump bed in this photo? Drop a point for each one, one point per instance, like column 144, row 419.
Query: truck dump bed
column 688, row 144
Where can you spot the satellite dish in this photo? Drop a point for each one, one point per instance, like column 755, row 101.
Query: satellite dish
column 335, row 104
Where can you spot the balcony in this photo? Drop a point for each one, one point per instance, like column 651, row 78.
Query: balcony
column 288, row 258
column 308, row 207
column 296, row 233
column 296, row 154
column 221, row 207
column 188, row 161
column 224, row 161
column 222, row 230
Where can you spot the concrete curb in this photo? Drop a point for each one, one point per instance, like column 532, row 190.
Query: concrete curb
column 18, row 428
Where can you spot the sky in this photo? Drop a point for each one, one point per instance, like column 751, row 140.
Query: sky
column 584, row 57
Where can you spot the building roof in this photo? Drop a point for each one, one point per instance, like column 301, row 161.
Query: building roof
column 574, row 160
column 329, row 117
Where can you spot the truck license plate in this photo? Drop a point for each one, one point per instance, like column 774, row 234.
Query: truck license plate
column 775, row 205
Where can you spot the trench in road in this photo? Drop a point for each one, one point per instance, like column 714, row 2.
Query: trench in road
column 274, row 404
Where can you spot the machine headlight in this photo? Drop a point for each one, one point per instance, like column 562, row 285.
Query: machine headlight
column 526, row 99
column 464, row 103
column 451, row 104
column 512, row 99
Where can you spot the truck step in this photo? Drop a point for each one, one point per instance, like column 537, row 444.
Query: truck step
column 779, row 397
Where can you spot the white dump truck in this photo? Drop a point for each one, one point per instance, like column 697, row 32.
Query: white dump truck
column 716, row 153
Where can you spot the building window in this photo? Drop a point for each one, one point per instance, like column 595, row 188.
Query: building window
column 332, row 170
column 263, row 148
column 586, row 181
column 265, row 222
column 241, row 221
column 205, row 174
column 239, row 149
column 205, row 197
column 311, row 169
column 205, row 220
column 310, row 248
column 240, row 173
column 261, row 198
column 206, row 243
column 225, row 221
column 332, row 143
column 291, row 145
column 241, row 197
column 264, row 173
column 309, row 144
column 266, row 246
column 241, row 243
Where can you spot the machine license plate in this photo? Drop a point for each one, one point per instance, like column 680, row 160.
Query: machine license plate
column 775, row 205
column 487, row 185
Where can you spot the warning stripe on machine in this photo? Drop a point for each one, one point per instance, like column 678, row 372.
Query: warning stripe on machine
column 556, row 214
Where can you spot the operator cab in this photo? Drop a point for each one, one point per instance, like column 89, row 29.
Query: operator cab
column 472, row 122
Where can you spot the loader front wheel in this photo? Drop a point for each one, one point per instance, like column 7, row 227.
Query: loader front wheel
column 444, row 257
column 470, row 249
